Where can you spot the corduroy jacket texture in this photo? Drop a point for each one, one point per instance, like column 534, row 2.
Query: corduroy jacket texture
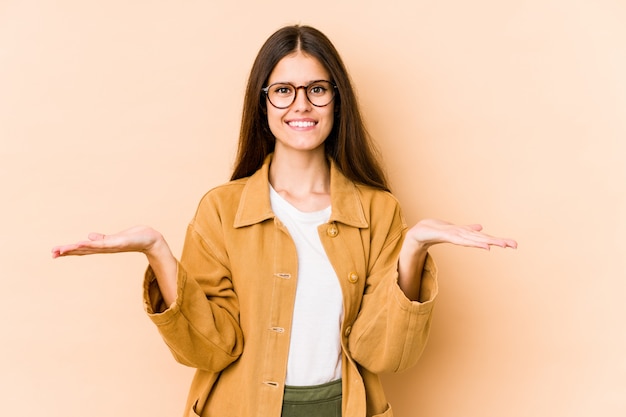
column 236, row 288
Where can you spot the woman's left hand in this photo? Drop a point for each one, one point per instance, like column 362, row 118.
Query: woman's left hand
column 430, row 232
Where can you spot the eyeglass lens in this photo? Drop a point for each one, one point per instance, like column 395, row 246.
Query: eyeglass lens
column 282, row 95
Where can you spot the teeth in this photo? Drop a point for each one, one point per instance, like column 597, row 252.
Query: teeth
column 301, row 124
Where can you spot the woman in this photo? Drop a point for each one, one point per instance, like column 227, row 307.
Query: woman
column 299, row 281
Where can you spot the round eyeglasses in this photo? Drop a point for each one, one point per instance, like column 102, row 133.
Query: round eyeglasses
column 282, row 95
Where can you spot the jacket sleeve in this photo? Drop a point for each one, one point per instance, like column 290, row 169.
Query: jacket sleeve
column 201, row 327
column 391, row 331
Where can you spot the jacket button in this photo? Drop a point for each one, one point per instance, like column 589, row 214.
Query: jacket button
column 332, row 230
column 278, row 329
column 347, row 331
column 353, row 277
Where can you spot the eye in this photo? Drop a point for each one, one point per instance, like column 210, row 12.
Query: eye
column 318, row 89
column 282, row 89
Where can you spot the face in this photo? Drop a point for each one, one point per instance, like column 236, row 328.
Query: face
column 301, row 126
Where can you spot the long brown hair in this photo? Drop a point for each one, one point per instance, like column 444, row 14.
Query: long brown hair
column 348, row 143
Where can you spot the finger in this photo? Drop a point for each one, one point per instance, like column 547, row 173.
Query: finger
column 484, row 240
column 492, row 240
column 469, row 239
column 503, row 243
column 63, row 250
column 472, row 243
column 511, row 243
column 499, row 241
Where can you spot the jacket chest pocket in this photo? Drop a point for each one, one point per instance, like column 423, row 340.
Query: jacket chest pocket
column 344, row 248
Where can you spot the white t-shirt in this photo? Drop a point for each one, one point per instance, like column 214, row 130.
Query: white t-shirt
column 315, row 347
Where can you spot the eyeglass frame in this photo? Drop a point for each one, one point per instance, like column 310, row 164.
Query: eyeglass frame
column 266, row 90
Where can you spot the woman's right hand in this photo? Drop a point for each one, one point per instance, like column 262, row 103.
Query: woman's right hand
column 136, row 239
column 142, row 239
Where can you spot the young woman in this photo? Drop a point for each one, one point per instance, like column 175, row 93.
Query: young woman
column 299, row 280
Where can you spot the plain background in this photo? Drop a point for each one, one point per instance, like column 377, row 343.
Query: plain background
column 507, row 113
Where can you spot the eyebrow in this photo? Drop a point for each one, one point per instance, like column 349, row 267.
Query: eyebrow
column 296, row 84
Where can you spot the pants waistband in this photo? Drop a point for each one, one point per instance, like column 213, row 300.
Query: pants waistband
column 311, row 393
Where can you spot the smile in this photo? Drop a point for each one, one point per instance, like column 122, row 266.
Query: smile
column 297, row 123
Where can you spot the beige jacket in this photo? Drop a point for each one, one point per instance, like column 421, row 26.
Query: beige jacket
column 236, row 287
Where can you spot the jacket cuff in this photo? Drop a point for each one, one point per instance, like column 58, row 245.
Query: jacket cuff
column 153, row 301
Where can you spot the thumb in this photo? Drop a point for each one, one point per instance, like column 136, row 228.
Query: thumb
column 96, row 236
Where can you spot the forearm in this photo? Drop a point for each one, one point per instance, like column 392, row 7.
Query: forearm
column 410, row 266
column 165, row 267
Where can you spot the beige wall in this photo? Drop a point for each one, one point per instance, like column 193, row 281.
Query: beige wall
column 509, row 113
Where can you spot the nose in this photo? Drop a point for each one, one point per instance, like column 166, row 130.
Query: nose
column 301, row 102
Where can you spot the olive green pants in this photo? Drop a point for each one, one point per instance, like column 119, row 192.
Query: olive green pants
column 313, row 401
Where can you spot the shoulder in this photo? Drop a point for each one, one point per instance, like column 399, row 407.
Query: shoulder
column 382, row 208
column 227, row 190
column 221, row 199
column 377, row 198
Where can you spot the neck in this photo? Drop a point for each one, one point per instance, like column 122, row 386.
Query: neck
column 303, row 178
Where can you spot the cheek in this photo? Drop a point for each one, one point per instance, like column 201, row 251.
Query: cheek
column 274, row 120
column 330, row 117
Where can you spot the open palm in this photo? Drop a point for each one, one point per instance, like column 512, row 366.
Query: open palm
column 431, row 232
column 135, row 239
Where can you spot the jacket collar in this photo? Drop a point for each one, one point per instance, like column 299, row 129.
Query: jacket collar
column 254, row 206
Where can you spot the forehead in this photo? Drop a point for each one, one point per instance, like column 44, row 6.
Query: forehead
column 298, row 68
